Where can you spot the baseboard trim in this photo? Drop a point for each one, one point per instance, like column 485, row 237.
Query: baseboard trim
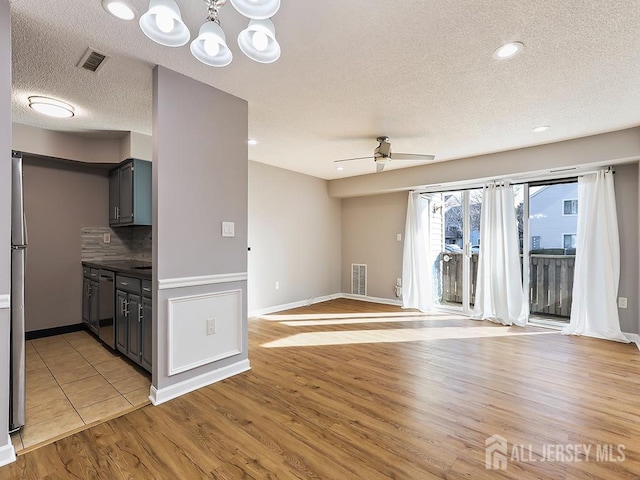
column 159, row 396
column 289, row 306
column 5, row 301
column 325, row 298
column 634, row 337
column 7, row 453
column 365, row 298
column 167, row 283
column 50, row 332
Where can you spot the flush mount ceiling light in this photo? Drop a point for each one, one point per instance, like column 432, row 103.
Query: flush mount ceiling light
column 508, row 50
column 251, row 141
column 258, row 41
column 119, row 8
column 541, row 128
column 163, row 24
column 51, row 107
column 257, row 9
column 339, row 169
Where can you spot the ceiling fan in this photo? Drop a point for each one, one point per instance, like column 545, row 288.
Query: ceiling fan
column 382, row 154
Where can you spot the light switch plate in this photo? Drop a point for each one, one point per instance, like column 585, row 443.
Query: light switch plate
column 228, row 229
column 622, row 302
column 106, row 238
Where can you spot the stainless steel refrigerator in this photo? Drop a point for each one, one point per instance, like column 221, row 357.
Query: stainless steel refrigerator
column 18, row 258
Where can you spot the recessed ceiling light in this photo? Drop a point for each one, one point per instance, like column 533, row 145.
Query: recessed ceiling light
column 541, row 128
column 251, row 141
column 120, row 9
column 51, row 107
column 340, row 169
column 508, row 50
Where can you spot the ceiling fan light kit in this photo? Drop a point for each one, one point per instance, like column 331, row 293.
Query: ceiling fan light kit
column 163, row 24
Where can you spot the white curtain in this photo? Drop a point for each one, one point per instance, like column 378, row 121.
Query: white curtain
column 499, row 294
column 594, row 310
column 417, row 284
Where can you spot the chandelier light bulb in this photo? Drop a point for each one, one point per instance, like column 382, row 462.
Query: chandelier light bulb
column 164, row 22
column 211, row 46
column 260, row 41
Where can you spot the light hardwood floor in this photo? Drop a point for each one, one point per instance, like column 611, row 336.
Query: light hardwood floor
column 350, row 390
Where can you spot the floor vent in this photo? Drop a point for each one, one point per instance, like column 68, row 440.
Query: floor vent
column 358, row 279
column 93, row 60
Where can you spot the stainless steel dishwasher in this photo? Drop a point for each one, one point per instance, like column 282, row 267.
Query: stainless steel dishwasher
column 106, row 329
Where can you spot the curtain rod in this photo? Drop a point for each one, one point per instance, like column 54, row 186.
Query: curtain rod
column 553, row 177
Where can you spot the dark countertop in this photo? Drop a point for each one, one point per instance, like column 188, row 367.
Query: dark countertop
column 125, row 267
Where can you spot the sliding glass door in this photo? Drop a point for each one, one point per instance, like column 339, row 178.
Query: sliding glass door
column 455, row 227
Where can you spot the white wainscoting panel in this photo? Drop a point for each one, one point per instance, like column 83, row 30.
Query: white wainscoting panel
column 190, row 345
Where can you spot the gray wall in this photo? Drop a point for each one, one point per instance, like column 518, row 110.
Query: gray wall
column 626, row 185
column 199, row 180
column 370, row 224
column 622, row 146
column 369, row 235
column 68, row 145
column 294, row 235
column 60, row 198
column 6, row 450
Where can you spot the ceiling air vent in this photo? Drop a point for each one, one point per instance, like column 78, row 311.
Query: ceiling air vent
column 93, row 60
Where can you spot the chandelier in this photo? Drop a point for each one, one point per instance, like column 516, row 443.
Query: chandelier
column 163, row 24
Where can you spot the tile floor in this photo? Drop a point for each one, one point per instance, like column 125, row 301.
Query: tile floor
column 73, row 381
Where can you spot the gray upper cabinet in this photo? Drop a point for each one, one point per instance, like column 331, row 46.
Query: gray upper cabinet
column 130, row 193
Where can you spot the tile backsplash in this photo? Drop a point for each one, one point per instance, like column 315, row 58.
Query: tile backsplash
column 126, row 243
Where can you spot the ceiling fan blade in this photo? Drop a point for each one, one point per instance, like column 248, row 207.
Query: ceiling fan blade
column 350, row 159
column 379, row 167
column 410, row 156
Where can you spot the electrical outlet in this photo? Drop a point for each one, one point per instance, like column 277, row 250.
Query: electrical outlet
column 277, row 285
column 398, row 237
column 106, row 237
column 211, row 326
column 622, row 302
column 398, row 282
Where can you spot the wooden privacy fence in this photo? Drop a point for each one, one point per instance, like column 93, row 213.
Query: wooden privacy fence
column 551, row 284
column 550, row 281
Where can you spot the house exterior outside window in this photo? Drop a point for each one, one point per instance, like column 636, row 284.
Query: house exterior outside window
column 570, row 207
column 569, row 240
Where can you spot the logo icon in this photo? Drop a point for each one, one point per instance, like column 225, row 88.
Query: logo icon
column 495, row 453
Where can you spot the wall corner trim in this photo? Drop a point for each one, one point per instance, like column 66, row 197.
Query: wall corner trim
column 168, row 283
column 158, row 396
column 7, row 453
column 5, row 301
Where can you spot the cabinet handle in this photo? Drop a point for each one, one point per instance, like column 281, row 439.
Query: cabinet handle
column 118, row 213
column 124, row 283
column 146, row 289
column 139, row 313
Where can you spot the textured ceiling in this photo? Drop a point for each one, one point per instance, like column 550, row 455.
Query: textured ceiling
column 419, row 71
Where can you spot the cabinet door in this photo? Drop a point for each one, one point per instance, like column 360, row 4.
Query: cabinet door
column 135, row 321
column 114, row 197
column 126, row 193
column 122, row 325
column 94, row 307
column 86, row 300
column 146, row 333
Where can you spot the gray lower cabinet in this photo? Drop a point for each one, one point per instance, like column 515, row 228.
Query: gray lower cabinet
column 133, row 320
column 146, row 331
column 90, row 299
